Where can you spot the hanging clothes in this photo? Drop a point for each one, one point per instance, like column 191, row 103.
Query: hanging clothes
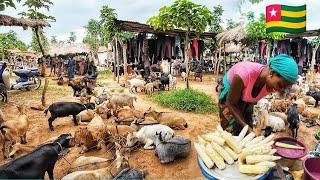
column 178, row 50
column 262, row 49
column 201, row 48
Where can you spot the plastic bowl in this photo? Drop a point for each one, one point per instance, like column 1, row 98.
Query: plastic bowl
column 317, row 135
column 311, row 168
column 290, row 153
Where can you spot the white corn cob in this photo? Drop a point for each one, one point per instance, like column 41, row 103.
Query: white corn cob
column 267, row 139
column 201, row 140
column 243, row 133
column 254, row 141
column 272, row 152
column 258, row 145
column 211, row 137
column 269, row 164
column 216, row 133
column 253, row 159
column 257, row 151
column 231, row 142
column 215, row 157
column 245, row 140
column 223, row 153
column 288, row 146
column 253, row 169
column 203, row 155
column 231, row 152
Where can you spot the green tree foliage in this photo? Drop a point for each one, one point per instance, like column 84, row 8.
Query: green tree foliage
column 315, row 42
column 215, row 27
column 34, row 41
column 6, row 3
column 231, row 24
column 35, row 11
column 72, row 37
column 186, row 15
column 93, row 34
column 10, row 41
column 53, row 40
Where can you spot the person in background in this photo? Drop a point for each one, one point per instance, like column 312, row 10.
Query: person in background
column 146, row 65
column 71, row 67
column 42, row 66
column 3, row 67
column 53, row 65
column 81, row 67
column 248, row 82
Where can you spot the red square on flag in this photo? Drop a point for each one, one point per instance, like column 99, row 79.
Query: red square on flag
column 273, row 13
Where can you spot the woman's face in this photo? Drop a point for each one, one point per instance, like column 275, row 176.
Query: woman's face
column 275, row 82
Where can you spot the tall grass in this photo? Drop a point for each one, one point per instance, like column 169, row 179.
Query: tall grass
column 188, row 100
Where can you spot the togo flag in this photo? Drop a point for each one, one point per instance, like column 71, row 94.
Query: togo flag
column 289, row 19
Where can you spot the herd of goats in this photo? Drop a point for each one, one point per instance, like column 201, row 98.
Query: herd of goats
column 107, row 120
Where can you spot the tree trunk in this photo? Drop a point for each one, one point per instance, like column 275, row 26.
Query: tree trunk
column 219, row 57
column 124, row 52
column 313, row 61
column 39, row 40
column 43, row 98
column 186, row 48
column 224, row 59
column 115, row 62
column 118, row 62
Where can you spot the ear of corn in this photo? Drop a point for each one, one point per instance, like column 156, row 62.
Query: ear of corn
column 267, row 139
column 201, row 140
column 245, row 140
column 202, row 154
column 252, row 159
column 231, row 142
column 211, row 137
column 269, row 164
column 253, row 169
column 215, row 157
column 231, row 152
column 288, row 146
column 254, row 141
column 243, row 133
column 272, row 152
column 223, row 153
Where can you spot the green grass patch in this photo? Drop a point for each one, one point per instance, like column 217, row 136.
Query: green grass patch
column 188, row 100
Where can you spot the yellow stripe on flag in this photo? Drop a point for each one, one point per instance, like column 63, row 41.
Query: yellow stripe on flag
column 286, row 24
column 293, row 14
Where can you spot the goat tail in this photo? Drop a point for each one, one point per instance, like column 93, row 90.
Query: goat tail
column 46, row 111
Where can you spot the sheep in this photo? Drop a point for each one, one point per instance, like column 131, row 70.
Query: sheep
column 156, row 84
column 177, row 147
column 121, row 162
column 135, row 84
column 276, row 123
column 87, row 163
column 85, row 116
column 172, row 120
column 104, row 96
column 120, row 100
column 293, row 119
column 146, row 135
column 19, row 150
column 165, row 66
column 131, row 173
column 301, row 105
column 63, row 109
column 149, row 88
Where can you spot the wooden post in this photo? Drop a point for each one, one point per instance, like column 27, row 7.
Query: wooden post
column 313, row 61
column 114, row 62
column 118, row 61
column 224, row 58
column 186, row 46
column 124, row 52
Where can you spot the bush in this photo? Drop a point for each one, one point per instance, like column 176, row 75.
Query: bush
column 187, row 100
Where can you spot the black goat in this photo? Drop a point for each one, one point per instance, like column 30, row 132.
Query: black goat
column 35, row 164
column 315, row 95
column 63, row 109
column 164, row 79
column 78, row 88
column 293, row 119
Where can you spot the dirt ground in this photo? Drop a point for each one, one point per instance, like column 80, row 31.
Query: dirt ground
column 144, row 159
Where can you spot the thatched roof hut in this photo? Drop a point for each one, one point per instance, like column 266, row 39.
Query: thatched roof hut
column 232, row 48
column 233, row 35
column 68, row 48
column 11, row 21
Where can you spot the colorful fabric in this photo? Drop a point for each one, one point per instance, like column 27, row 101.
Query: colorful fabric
column 249, row 73
column 285, row 66
column 289, row 19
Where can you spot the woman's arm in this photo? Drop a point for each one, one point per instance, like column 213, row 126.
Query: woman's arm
column 233, row 98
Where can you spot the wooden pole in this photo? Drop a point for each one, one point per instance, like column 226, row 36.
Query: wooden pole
column 224, row 58
column 118, row 61
column 115, row 63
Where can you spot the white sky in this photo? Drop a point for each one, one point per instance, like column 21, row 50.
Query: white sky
column 72, row 15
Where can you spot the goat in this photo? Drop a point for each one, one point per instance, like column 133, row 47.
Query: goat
column 76, row 88
column 88, row 163
column 104, row 96
column 315, row 95
column 121, row 162
column 146, row 135
column 149, row 88
column 168, row 151
column 172, row 120
column 165, row 82
column 293, row 119
column 2, row 117
column 129, row 115
column 131, row 173
column 63, row 109
column 173, row 81
column 184, row 76
column 35, row 164
column 135, row 84
column 20, row 149
column 85, row 116
column 120, row 100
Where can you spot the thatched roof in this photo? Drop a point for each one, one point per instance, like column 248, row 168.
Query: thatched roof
column 232, row 48
column 24, row 54
column 102, row 49
column 233, row 35
column 68, row 48
column 310, row 33
column 139, row 27
column 11, row 21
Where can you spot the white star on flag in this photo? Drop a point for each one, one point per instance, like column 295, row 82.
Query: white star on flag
column 273, row 12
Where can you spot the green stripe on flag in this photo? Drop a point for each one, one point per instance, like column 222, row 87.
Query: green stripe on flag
column 293, row 20
column 286, row 30
column 293, row 8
